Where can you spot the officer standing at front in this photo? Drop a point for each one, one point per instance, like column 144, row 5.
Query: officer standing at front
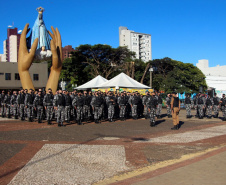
column 175, row 107
column 48, row 104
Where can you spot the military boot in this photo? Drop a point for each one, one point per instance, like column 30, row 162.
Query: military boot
column 174, row 127
column 152, row 124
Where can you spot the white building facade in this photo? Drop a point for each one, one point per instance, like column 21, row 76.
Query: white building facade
column 140, row 43
column 215, row 76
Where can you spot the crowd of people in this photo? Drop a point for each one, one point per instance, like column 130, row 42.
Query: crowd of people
column 65, row 106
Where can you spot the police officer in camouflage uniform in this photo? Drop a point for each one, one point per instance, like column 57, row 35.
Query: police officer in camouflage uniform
column 122, row 102
column 223, row 108
column 111, row 102
column 78, row 104
column 168, row 106
column 29, row 100
column 20, row 104
column 7, row 104
column 2, row 104
column 144, row 101
column 96, row 103
column 13, row 103
column 68, row 105
column 188, row 104
column 201, row 105
column 86, row 107
column 209, row 105
column 152, row 104
column 38, row 105
column 59, row 105
column 159, row 108
column 134, row 101
column 216, row 105
column 48, row 104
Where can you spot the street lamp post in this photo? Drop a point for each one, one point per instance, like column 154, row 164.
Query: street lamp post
column 151, row 70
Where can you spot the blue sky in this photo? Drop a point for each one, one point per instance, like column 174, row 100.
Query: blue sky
column 184, row 30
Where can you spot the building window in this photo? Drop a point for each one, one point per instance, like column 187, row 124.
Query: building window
column 17, row 76
column 1, row 73
column 35, row 77
column 7, row 76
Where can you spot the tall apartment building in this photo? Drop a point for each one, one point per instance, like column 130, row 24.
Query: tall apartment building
column 11, row 46
column 140, row 43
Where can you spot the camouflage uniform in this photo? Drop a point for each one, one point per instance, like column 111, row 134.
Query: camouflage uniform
column 216, row 101
column 188, row 105
column 168, row 106
column 38, row 103
column 29, row 100
column 151, row 103
column 111, row 102
column 20, row 103
column 134, row 101
column 7, row 105
column 48, row 103
column 2, row 104
column 14, row 106
column 201, row 105
column 60, row 104
column 86, row 107
column 78, row 103
column 144, row 101
column 96, row 104
column 122, row 101
column 159, row 108
column 68, row 104
column 223, row 108
column 209, row 104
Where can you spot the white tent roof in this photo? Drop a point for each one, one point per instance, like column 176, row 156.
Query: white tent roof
column 123, row 80
column 94, row 83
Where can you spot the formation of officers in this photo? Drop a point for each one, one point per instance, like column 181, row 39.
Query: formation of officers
column 96, row 106
column 205, row 104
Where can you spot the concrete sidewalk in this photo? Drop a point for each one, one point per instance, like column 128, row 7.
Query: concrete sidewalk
column 207, row 171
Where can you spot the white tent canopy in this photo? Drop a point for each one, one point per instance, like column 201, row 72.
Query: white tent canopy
column 123, row 81
column 94, row 83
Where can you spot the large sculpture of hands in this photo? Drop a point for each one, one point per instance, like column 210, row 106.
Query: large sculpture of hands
column 56, row 49
column 25, row 60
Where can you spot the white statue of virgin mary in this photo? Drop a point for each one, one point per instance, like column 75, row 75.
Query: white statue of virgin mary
column 39, row 31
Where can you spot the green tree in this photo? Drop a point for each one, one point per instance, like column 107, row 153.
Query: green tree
column 171, row 75
column 103, row 59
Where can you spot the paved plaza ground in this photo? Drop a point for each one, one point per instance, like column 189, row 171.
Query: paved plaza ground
column 122, row 152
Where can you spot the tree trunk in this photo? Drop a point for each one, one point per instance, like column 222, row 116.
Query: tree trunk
column 145, row 71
